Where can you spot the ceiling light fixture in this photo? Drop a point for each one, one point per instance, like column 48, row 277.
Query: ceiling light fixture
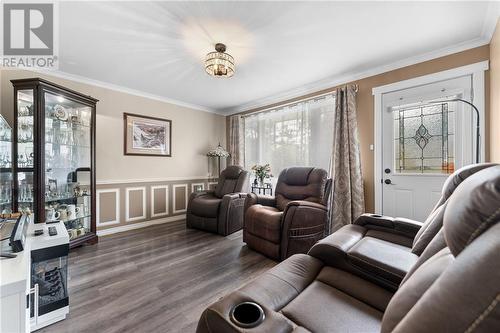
column 219, row 63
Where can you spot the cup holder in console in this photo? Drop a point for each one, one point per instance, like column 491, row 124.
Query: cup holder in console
column 247, row 315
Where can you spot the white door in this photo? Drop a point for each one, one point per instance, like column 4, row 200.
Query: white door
column 423, row 142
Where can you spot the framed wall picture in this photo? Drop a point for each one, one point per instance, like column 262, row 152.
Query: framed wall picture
column 147, row 136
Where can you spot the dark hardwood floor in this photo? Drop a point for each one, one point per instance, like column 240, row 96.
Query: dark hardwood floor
column 156, row 279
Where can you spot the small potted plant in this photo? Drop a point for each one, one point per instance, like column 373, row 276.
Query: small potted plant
column 262, row 172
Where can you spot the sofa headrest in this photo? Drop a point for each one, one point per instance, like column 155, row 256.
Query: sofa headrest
column 231, row 172
column 473, row 208
column 457, row 177
column 301, row 176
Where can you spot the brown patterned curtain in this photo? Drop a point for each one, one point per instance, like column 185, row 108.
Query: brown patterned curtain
column 236, row 140
column 347, row 200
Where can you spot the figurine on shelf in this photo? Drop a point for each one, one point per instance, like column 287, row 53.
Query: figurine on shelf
column 77, row 191
column 60, row 113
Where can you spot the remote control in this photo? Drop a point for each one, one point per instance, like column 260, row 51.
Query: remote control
column 52, row 231
column 8, row 255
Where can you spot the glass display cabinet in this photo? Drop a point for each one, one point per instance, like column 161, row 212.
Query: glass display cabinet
column 54, row 156
column 5, row 167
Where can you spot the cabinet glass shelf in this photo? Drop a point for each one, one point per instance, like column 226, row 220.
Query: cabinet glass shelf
column 61, row 198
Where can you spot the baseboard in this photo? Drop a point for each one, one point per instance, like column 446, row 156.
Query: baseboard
column 139, row 225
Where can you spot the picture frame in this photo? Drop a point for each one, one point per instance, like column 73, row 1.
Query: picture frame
column 146, row 136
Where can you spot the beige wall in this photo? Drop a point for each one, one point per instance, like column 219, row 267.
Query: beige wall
column 495, row 96
column 193, row 132
column 366, row 109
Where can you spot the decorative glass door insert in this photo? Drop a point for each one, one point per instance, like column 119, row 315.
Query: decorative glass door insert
column 424, row 139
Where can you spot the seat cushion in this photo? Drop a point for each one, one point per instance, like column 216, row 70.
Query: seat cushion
column 302, row 295
column 264, row 222
column 388, row 260
column 324, row 308
column 205, row 205
column 278, row 286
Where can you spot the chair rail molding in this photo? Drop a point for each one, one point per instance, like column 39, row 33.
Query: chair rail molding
column 149, row 180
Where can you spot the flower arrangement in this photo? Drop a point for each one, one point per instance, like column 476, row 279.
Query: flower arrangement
column 262, row 172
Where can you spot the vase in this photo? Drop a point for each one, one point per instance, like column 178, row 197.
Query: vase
column 261, row 181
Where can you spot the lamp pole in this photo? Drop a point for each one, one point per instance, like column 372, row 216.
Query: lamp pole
column 477, row 120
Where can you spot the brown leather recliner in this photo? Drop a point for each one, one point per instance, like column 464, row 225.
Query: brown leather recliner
column 220, row 211
column 453, row 286
column 293, row 220
column 383, row 249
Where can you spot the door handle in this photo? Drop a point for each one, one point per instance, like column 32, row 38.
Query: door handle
column 389, row 182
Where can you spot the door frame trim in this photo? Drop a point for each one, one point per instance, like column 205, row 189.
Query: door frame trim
column 476, row 71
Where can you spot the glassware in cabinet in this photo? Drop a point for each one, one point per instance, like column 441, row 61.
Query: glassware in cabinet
column 56, row 141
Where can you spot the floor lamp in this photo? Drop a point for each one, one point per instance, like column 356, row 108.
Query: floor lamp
column 218, row 152
column 478, row 135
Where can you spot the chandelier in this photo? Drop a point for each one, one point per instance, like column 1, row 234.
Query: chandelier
column 219, row 63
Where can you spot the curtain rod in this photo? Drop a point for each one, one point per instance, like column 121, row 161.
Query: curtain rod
column 294, row 102
column 280, row 106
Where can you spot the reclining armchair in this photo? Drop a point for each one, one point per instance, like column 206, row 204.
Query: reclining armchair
column 293, row 220
column 220, row 211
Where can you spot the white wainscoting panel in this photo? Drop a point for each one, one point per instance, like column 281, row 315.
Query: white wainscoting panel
column 153, row 199
column 127, row 203
column 174, row 198
column 98, row 206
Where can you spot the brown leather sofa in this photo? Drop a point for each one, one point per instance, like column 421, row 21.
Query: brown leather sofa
column 452, row 287
column 382, row 249
column 220, row 211
column 293, row 220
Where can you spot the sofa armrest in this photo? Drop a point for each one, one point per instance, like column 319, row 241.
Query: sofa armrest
column 397, row 225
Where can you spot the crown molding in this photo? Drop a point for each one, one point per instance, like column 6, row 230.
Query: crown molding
column 490, row 20
column 333, row 81
column 102, row 84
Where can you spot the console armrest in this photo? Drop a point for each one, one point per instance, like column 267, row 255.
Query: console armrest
column 232, row 196
column 399, row 225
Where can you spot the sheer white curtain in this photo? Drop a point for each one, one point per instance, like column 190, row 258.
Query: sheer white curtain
column 297, row 135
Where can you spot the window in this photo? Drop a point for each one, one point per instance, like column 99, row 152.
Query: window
column 295, row 135
column 424, row 139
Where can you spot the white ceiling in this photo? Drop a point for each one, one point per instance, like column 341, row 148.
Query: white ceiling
column 280, row 48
